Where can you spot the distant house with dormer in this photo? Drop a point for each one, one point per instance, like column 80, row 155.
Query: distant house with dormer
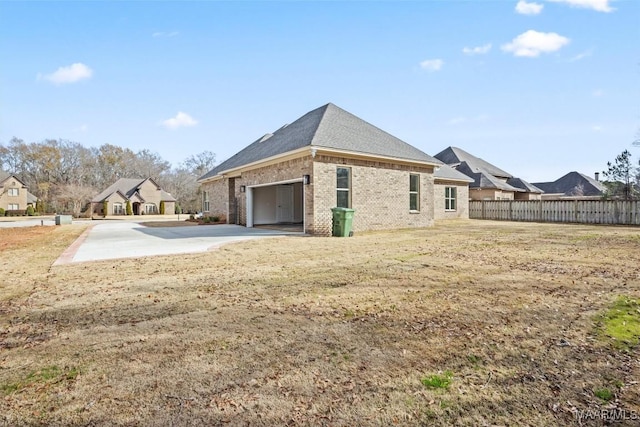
column 489, row 181
column 144, row 195
column 14, row 195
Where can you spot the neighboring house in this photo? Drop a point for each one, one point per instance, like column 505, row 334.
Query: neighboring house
column 489, row 181
column 14, row 195
column 327, row 158
column 451, row 193
column 573, row 186
column 144, row 195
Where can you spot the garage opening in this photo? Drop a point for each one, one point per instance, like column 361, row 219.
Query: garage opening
column 276, row 206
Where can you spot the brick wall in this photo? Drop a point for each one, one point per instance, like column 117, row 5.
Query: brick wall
column 379, row 192
column 462, row 201
column 218, row 198
column 490, row 194
column 379, row 195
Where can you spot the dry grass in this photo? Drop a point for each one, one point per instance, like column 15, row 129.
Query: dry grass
column 322, row 331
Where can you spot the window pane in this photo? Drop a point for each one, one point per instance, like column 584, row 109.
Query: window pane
column 414, row 182
column 413, row 201
column 343, row 199
column 343, row 178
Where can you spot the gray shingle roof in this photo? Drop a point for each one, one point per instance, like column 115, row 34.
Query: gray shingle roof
column 445, row 172
column 570, row 183
column 454, row 156
column 326, row 127
column 483, row 179
column 128, row 187
column 524, row 185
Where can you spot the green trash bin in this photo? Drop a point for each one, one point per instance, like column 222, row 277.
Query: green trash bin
column 342, row 221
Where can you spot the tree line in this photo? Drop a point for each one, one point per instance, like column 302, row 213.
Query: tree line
column 623, row 177
column 65, row 175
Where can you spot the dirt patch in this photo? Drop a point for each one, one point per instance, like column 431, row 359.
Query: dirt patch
column 325, row 331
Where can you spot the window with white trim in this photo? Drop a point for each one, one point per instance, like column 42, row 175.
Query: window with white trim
column 205, row 201
column 414, row 192
column 118, row 209
column 450, row 197
column 13, row 206
column 150, row 208
column 343, row 187
column 13, row 192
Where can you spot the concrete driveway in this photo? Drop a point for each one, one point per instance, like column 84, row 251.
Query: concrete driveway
column 120, row 239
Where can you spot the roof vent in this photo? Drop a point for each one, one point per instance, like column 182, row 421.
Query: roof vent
column 284, row 126
column 266, row 136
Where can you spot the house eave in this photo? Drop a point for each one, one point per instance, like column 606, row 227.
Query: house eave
column 313, row 151
column 371, row 157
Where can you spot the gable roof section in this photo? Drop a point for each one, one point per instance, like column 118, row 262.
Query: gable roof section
column 524, row 185
column 569, row 183
column 453, row 156
column 4, row 176
column 483, row 179
column 328, row 127
column 447, row 173
column 128, row 187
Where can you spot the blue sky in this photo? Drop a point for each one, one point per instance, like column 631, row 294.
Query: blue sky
column 538, row 88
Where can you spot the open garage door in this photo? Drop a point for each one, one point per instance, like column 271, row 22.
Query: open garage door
column 281, row 203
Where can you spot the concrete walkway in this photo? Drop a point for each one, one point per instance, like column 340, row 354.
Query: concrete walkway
column 120, row 239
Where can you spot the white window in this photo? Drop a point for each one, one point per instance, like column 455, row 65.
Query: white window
column 414, row 192
column 205, row 201
column 14, row 192
column 13, row 206
column 343, row 187
column 150, row 208
column 117, row 209
column 450, row 198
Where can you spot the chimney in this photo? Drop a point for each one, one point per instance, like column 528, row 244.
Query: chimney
column 597, row 175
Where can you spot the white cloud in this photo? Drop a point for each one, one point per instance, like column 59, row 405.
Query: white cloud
column 525, row 8
column 597, row 128
column 71, row 74
column 478, row 50
column 180, row 120
column 82, row 128
column 599, row 5
column 432, row 64
column 597, row 93
column 163, row 34
column 532, row 43
column 580, row 56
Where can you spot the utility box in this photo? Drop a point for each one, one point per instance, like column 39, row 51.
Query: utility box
column 63, row 219
column 342, row 222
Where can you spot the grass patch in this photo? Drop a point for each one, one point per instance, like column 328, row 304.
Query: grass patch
column 603, row 393
column 621, row 322
column 438, row 381
column 46, row 375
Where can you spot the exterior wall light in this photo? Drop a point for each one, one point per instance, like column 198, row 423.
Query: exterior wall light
column 243, row 188
column 306, row 179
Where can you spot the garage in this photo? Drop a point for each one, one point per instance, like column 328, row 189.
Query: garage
column 275, row 204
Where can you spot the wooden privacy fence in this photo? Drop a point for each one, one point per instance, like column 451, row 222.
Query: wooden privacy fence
column 578, row 211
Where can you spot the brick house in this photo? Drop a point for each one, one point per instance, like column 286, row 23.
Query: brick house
column 326, row 158
column 144, row 195
column 451, row 193
column 489, row 182
column 14, row 195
